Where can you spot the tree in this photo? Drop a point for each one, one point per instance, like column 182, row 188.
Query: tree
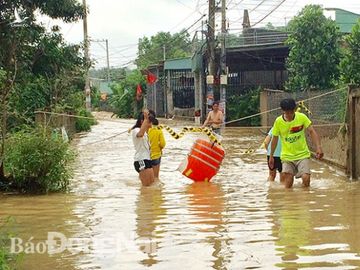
column 233, row 40
column 151, row 50
column 29, row 56
column 314, row 51
column 123, row 100
column 350, row 64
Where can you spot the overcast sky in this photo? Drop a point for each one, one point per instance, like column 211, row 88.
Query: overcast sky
column 123, row 22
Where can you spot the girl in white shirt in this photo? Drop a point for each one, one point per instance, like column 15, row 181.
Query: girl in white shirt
column 142, row 161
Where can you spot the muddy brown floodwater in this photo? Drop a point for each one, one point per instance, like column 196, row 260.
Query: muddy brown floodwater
column 237, row 221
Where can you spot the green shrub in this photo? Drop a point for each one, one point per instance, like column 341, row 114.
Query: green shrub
column 38, row 162
column 84, row 124
column 244, row 105
column 8, row 261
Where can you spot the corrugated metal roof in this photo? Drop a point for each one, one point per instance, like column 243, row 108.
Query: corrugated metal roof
column 181, row 63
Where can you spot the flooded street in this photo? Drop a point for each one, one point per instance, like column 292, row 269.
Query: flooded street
column 237, row 221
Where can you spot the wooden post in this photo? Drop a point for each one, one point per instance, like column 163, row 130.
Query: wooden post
column 353, row 128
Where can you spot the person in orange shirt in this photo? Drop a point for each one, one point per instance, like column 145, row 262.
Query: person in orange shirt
column 157, row 144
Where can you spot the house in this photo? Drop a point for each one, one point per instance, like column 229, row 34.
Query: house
column 173, row 92
column 343, row 18
column 256, row 59
column 259, row 65
column 155, row 91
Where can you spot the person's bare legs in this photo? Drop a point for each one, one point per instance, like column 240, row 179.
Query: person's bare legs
column 272, row 175
column 282, row 177
column 288, row 180
column 156, row 169
column 305, row 179
column 147, row 177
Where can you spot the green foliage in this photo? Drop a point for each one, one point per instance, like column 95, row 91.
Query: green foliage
column 84, row 124
column 38, row 161
column 72, row 102
column 95, row 97
column 39, row 70
column 2, row 76
column 66, row 10
column 28, row 98
column 123, row 100
column 151, row 51
column 350, row 64
column 314, row 51
column 233, row 40
column 244, row 105
column 8, row 261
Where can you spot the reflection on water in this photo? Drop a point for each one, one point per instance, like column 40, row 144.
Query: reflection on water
column 207, row 206
column 291, row 225
column 150, row 212
column 238, row 221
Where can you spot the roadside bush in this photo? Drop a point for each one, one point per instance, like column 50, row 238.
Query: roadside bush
column 8, row 261
column 38, row 162
column 244, row 105
column 84, row 124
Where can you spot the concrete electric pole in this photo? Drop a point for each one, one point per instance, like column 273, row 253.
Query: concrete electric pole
column 87, row 60
column 211, row 56
column 164, row 83
column 223, row 75
column 107, row 60
column 107, row 56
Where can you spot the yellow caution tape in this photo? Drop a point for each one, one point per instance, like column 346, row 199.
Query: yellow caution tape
column 301, row 106
column 175, row 135
column 251, row 150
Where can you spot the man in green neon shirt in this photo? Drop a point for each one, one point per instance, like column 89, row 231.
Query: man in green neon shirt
column 295, row 154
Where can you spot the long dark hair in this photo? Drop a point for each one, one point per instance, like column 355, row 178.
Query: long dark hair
column 141, row 118
column 139, row 121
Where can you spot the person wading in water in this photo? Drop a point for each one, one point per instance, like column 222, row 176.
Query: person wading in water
column 295, row 154
column 142, row 161
column 215, row 118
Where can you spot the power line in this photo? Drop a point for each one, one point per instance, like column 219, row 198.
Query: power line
column 276, row 7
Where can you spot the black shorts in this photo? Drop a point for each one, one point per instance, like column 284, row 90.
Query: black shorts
column 142, row 165
column 155, row 162
column 277, row 164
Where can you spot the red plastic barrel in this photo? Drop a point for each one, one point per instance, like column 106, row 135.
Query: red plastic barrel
column 204, row 160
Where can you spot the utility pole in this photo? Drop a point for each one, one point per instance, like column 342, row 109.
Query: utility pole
column 107, row 60
column 211, row 37
column 107, row 55
column 87, row 60
column 164, row 53
column 164, row 83
column 223, row 76
column 202, row 31
column 211, row 56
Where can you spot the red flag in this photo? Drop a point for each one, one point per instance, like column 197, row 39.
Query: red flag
column 138, row 92
column 138, row 89
column 151, row 78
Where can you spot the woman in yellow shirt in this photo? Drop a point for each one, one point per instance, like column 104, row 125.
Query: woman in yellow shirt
column 157, row 144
